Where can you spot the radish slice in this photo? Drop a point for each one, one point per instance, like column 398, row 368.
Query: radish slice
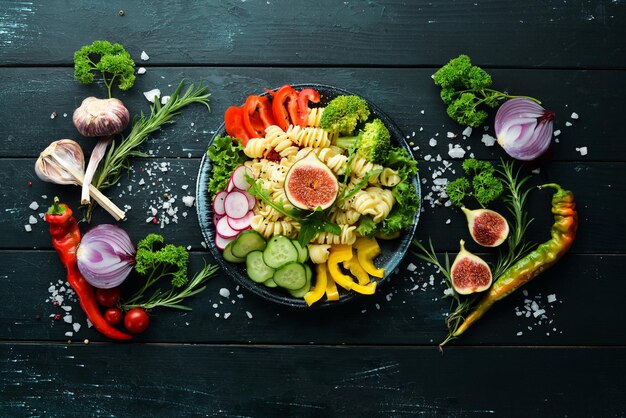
column 239, row 177
column 241, row 223
column 251, row 200
column 218, row 203
column 236, row 205
column 224, row 230
column 216, row 218
column 221, row 242
column 231, row 185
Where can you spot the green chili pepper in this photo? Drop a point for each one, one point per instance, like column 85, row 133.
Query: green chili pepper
column 545, row 255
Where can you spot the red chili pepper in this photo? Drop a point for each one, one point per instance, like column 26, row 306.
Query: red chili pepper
column 257, row 115
column 65, row 238
column 304, row 97
column 285, row 107
column 233, row 119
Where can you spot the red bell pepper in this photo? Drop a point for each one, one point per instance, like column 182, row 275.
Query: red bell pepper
column 304, row 97
column 285, row 107
column 65, row 239
column 257, row 115
column 233, row 119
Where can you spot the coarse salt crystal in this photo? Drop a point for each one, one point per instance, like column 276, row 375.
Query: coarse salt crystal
column 69, row 334
column 249, row 314
column 467, row 131
column 28, row 228
column 144, row 56
column 422, row 112
column 224, row 292
column 68, row 319
column 432, row 142
column 448, row 292
column 574, row 115
column 536, row 171
column 582, row 150
column 411, row 267
column 451, row 135
column 448, row 221
column 76, row 326
column 152, row 95
column 34, row 206
column 538, row 313
column 188, row 200
column 141, row 70
column 519, row 334
column 551, row 298
column 226, row 315
column 488, row 140
column 456, row 151
column 32, row 220
column 165, row 99
column 557, row 132
column 568, row 123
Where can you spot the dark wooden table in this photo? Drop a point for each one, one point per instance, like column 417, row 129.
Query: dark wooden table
column 241, row 356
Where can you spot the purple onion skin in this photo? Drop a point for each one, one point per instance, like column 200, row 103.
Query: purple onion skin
column 524, row 128
column 105, row 256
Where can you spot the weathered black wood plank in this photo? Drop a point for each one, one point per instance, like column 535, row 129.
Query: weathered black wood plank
column 530, row 34
column 406, row 311
column 147, row 380
column 598, row 188
column 33, row 94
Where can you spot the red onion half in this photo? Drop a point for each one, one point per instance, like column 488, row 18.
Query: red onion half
column 105, row 256
column 524, row 128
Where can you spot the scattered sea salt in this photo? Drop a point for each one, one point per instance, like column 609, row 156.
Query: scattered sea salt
column 188, row 200
column 165, row 99
column 568, row 123
column 224, row 292
column 467, row 132
column 152, row 95
column 76, row 326
column 432, row 142
column 519, row 334
column 68, row 319
column 141, row 70
column 32, row 220
column 249, row 314
column 34, row 206
column 448, row 221
column 551, row 298
column 456, row 151
column 411, row 267
column 488, row 140
column 582, row 150
column 28, row 228
column 574, row 115
column 144, row 56
column 557, row 132
column 451, row 135
column 226, row 315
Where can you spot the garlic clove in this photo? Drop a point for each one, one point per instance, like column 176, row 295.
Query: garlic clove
column 101, row 117
column 60, row 163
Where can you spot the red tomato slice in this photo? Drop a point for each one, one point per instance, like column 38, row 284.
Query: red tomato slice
column 304, row 97
column 285, row 107
column 257, row 115
column 233, row 119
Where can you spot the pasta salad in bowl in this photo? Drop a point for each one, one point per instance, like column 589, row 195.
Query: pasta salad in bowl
column 308, row 195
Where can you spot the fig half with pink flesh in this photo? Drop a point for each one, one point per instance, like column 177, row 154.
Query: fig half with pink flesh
column 470, row 273
column 310, row 184
column 488, row 228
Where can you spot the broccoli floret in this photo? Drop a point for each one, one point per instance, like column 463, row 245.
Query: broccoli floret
column 465, row 88
column 457, row 190
column 374, row 142
column 343, row 114
column 111, row 60
column 155, row 260
column 485, row 185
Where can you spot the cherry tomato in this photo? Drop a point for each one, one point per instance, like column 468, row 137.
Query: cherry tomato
column 304, row 97
column 113, row 316
column 136, row 320
column 108, row 297
column 233, row 119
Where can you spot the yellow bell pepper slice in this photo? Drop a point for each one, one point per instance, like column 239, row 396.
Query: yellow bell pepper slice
column 367, row 249
column 331, row 288
column 356, row 270
column 339, row 254
column 319, row 289
column 367, row 289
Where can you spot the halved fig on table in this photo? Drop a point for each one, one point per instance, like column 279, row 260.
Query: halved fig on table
column 310, row 184
column 470, row 273
column 488, row 228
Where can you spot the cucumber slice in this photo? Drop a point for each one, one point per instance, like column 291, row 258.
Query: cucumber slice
column 279, row 252
column 228, row 254
column 257, row 270
column 291, row 276
column 270, row 283
column 246, row 242
column 299, row 293
column 303, row 253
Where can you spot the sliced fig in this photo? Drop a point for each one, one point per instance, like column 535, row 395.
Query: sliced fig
column 488, row 228
column 310, row 184
column 470, row 273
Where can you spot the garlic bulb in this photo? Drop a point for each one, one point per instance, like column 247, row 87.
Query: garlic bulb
column 101, row 117
column 63, row 162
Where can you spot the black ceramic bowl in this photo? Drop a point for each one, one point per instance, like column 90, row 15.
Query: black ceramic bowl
column 392, row 251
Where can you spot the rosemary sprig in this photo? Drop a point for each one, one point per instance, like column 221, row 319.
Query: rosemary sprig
column 172, row 298
column 116, row 159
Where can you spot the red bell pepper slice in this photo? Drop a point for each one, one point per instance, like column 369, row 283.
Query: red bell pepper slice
column 304, row 97
column 257, row 115
column 233, row 119
column 285, row 107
